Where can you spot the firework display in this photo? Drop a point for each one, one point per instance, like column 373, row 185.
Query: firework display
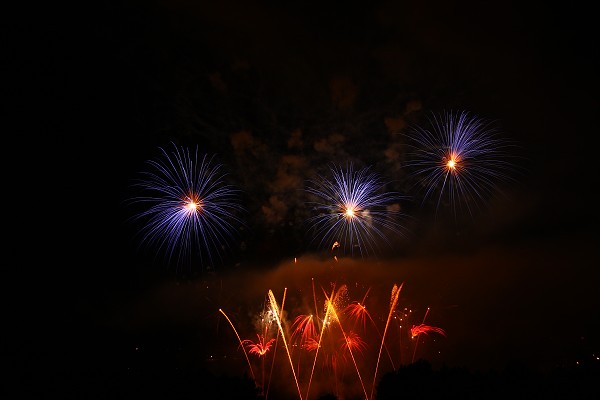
column 284, row 200
column 330, row 348
column 353, row 210
column 188, row 206
column 335, row 336
column 458, row 159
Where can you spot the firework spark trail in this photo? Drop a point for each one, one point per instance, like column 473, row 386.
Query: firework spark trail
column 304, row 327
column 460, row 157
column 416, row 330
column 417, row 342
column 276, row 342
column 189, row 205
column 334, row 350
column 393, row 301
column 400, row 335
column 277, row 318
column 241, row 343
column 354, row 341
column 353, row 210
column 315, row 298
column 349, row 345
column 318, row 344
column 260, row 348
column 358, row 311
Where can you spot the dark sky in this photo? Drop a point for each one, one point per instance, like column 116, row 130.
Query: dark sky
column 277, row 91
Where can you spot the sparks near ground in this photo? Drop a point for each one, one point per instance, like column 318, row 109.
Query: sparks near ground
column 326, row 339
column 331, row 349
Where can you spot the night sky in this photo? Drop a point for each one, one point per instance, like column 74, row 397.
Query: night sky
column 278, row 92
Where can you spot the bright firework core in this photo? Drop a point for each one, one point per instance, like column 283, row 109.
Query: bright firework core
column 353, row 210
column 189, row 207
column 192, row 205
column 452, row 162
column 349, row 212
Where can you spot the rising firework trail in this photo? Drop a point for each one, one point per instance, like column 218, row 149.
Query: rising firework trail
column 260, row 348
column 315, row 297
column 277, row 314
column 458, row 159
column 317, row 345
column 241, row 342
column 349, row 344
column 274, row 311
column 393, row 301
column 354, row 211
column 188, row 208
column 358, row 311
column 341, row 338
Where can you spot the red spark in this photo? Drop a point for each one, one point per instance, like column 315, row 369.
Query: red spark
column 416, row 330
column 259, row 348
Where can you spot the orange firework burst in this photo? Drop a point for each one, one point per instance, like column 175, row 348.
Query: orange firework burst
column 311, row 345
column 358, row 313
column 416, row 330
column 304, row 327
column 353, row 342
column 259, row 348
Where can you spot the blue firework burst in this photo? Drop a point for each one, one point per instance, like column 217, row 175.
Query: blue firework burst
column 459, row 159
column 353, row 211
column 188, row 208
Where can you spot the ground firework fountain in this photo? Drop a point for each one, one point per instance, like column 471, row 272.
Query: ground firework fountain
column 327, row 345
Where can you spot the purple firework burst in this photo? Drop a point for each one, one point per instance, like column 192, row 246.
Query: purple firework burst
column 188, row 206
column 458, row 159
column 353, row 211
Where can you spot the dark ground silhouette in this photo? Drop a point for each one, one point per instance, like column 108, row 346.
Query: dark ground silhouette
column 419, row 380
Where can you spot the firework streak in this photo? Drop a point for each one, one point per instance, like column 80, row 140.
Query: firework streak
column 336, row 346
